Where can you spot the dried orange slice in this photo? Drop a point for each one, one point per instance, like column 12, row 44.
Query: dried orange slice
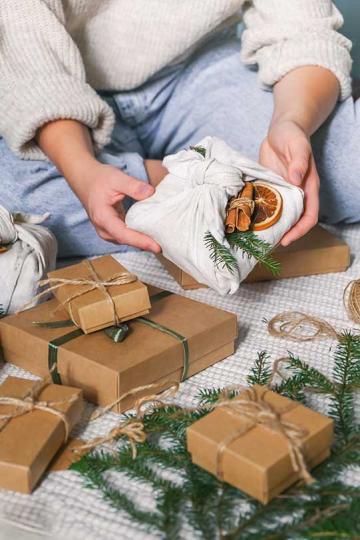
column 268, row 206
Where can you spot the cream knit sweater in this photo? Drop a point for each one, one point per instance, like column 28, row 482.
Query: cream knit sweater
column 54, row 54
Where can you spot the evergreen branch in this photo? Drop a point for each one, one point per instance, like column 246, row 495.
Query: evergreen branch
column 208, row 396
column 260, row 373
column 255, row 247
column 199, row 149
column 220, row 254
column 346, row 375
column 2, row 311
column 328, row 508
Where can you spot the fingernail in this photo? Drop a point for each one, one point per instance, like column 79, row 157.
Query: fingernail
column 146, row 189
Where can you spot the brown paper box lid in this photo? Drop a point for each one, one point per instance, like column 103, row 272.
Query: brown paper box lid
column 145, row 356
column 259, row 460
column 29, row 442
column 92, row 310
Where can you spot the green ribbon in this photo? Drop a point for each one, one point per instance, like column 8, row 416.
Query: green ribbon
column 116, row 333
column 172, row 333
column 53, row 353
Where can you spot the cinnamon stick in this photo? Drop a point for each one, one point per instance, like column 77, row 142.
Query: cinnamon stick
column 240, row 210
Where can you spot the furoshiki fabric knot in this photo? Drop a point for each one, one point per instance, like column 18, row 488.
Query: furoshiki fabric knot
column 210, row 171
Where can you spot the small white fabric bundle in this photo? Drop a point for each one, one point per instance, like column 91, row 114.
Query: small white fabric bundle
column 30, row 255
column 191, row 201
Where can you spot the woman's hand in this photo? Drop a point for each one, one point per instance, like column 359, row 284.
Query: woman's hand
column 101, row 191
column 101, row 188
column 287, row 151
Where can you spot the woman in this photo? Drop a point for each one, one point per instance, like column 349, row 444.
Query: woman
column 104, row 89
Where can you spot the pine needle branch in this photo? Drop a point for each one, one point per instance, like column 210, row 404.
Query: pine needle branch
column 199, row 149
column 346, row 376
column 220, row 254
column 248, row 243
column 255, row 247
column 260, row 373
column 328, row 508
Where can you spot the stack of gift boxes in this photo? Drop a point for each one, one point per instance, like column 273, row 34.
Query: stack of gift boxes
column 104, row 334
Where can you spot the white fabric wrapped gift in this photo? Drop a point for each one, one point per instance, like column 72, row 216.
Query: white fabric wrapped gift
column 30, row 255
column 191, row 201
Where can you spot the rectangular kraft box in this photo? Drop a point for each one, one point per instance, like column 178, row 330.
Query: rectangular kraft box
column 105, row 370
column 29, row 442
column 92, row 310
column 258, row 460
column 319, row 252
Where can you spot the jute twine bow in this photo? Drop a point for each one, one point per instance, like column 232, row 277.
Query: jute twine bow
column 132, row 429
column 29, row 403
column 351, row 300
column 91, row 283
column 259, row 412
column 242, row 203
column 299, row 326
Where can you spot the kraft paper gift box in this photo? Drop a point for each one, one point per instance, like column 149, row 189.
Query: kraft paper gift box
column 253, row 457
column 179, row 338
column 319, row 252
column 93, row 309
column 29, row 442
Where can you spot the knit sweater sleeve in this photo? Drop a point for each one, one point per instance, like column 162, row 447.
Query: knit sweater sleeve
column 282, row 35
column 42, row 77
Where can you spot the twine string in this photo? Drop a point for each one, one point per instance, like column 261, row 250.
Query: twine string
column 242, row 203
column 351, row 299
column 291, row 325
column 29, row 403
column 258, row 412
column 90, row 283
column 132, row 429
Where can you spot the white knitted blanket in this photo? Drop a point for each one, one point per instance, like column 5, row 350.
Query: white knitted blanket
column 62, row 508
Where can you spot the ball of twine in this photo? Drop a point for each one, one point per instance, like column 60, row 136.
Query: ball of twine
column 352, row 300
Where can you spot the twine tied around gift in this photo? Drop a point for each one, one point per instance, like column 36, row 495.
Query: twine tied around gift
column 133, row 428
column 29, row 403
column 351, row 300
column 90, row 283
column 243, row 203
column 292, row 324
column 259, row 412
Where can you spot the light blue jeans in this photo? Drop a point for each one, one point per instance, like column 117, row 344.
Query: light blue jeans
column 212, row 93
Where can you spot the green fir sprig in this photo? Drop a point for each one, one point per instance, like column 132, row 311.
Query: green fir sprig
column 185, row 494
column 220, row 254
column 253, row 246
column 199, row 149
column 247, row 242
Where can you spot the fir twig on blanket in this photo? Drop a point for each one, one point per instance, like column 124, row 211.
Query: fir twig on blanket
column 186, row 494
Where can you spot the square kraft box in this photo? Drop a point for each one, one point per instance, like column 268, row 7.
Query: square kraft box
column 92, row 310
column 257, row 461
column 29, row 442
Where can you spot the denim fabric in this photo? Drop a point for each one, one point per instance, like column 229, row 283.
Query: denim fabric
column 212, row 93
